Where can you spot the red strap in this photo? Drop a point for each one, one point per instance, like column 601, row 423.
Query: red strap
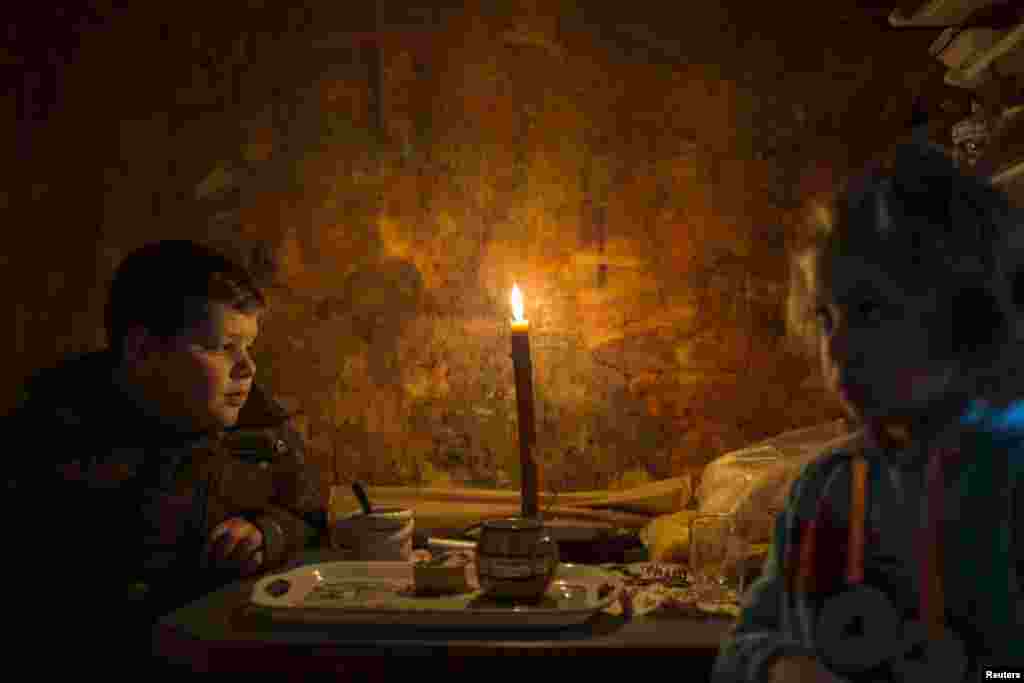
column 932, row 595
column 805, row 573
column 858, row 516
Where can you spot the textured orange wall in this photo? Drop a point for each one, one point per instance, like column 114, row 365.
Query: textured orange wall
column 638, row 177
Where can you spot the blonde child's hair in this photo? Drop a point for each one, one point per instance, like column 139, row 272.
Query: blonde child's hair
column 938, row 234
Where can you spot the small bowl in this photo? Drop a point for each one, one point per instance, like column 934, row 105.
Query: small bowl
column 448, row 574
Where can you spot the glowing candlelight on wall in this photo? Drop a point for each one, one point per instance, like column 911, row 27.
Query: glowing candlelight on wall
column 524, row 403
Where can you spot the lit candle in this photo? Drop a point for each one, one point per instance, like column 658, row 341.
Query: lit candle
column 523, row 369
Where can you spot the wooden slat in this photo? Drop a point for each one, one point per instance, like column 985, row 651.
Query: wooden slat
column 657, row 498
column 458, row 515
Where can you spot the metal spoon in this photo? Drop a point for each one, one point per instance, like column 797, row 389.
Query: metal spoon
column 361, row 496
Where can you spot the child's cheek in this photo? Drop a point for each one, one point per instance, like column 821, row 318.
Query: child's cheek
column 914, row 385
column 905, row 382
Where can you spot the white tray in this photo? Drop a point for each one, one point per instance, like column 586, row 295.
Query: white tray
column 365, row 593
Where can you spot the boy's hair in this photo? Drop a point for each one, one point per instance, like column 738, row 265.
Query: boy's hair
column 167, row 288
column 938, row 233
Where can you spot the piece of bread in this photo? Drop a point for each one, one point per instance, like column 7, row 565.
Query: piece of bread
column 668, row 537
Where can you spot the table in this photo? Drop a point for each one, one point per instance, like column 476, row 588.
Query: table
column 219, row 633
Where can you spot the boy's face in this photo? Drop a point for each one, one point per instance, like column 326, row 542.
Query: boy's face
column 877, row 343
column 200, row 379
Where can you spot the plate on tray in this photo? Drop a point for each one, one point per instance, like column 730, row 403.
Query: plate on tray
column 664, row 589
column 651, row 572
column 379, row 593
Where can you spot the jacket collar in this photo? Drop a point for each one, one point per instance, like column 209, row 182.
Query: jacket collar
column 85, row 388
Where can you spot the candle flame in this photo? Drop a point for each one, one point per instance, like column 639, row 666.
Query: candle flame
column 517, row 303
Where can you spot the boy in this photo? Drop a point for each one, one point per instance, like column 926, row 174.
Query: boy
column 899, row 556
column 130, row 486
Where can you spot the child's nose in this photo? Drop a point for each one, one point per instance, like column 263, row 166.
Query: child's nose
column 837, row 344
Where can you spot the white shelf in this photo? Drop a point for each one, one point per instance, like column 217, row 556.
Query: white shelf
column 957, row 49
column 1008, row 173
column 939, row 13
column 972, row 75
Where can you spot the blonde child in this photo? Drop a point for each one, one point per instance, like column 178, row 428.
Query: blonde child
column 899, row 555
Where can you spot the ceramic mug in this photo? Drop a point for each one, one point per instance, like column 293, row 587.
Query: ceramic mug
column 384, row 535
column 516, row 558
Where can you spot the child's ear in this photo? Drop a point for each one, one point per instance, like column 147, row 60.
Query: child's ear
column 1017, row 290
column 1017, row 301
column 976, row 320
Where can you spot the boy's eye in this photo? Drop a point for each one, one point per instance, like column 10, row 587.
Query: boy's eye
column 229, row 347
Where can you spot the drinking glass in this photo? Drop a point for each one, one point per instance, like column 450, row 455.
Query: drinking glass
column 717, row 556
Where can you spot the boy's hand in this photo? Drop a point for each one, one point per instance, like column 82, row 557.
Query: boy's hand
column 235, row 544
column 800, row 669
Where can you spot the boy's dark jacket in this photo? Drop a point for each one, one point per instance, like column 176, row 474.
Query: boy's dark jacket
column 113, row 508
